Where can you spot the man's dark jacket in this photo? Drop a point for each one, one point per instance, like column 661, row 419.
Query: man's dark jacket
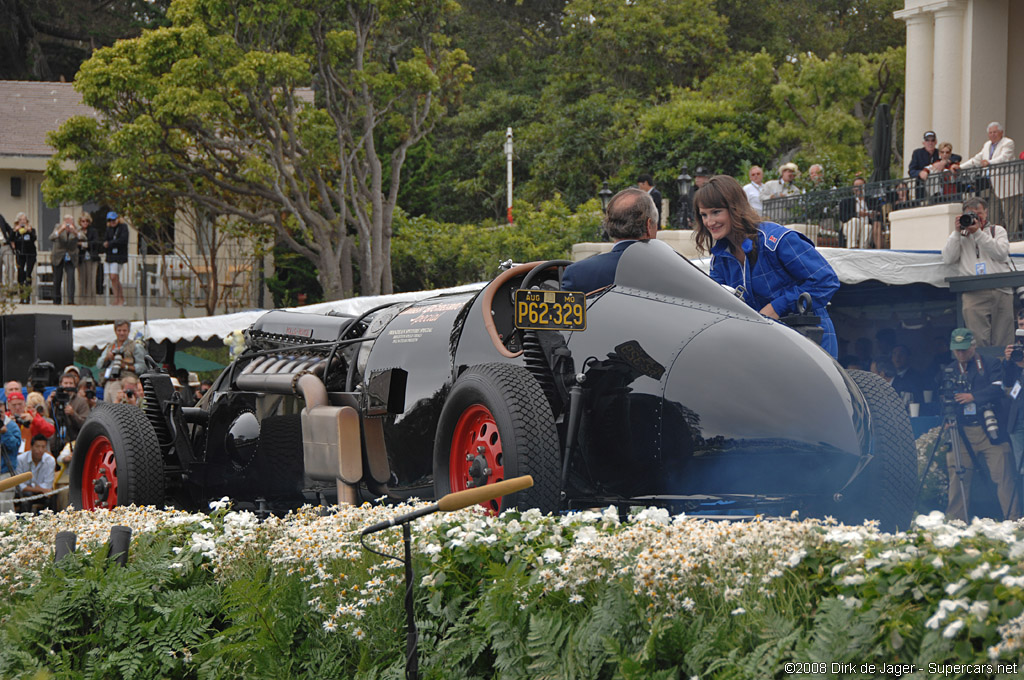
column 594, row 272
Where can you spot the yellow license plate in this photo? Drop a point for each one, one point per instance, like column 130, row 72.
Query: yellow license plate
column 551, row 310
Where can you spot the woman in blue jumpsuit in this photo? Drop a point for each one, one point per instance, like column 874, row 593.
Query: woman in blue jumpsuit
column 773, row 264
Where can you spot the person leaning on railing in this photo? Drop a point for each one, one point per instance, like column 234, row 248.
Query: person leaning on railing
column 1006, row 185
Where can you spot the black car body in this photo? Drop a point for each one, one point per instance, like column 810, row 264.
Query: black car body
column 675, row 393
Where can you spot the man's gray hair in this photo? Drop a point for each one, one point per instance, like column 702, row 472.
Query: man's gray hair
column 995, row 124
column 975, row 202
column 122, row 322
column 627, row 214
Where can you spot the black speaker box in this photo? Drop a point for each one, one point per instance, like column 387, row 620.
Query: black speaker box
column 15, row 187
column 28, row 337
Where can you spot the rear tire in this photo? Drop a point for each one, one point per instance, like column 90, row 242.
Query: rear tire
column 497, row 424
column 117, row 460
column 886, row 489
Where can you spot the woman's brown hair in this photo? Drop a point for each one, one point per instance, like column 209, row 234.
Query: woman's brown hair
column 722, row 191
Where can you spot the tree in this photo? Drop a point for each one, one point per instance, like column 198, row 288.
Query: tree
column 49, row 39
column 295, row 115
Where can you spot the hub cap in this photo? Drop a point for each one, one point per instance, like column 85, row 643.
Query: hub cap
column 99, row 476
column 476, row 453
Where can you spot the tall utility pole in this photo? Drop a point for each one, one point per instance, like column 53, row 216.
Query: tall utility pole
column 508, row 161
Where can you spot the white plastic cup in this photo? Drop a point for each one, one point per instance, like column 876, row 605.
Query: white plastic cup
column 915, row 410
column 928, row 394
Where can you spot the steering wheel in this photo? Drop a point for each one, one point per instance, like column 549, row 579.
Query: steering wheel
column 530, row 271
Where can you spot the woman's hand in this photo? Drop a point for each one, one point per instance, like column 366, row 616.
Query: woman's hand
column 770, row 312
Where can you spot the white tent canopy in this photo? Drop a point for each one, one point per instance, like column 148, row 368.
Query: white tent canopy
column 222, row 325
column 893, row 267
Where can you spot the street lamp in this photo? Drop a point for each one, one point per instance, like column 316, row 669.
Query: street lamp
column 605, row 194
column 683, row 184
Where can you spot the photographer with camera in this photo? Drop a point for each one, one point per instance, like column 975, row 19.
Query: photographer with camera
column 31, row 422
column 978, row 248
column 1013, row 380
column 119, row 360
column 970, row 392
column 69, row 410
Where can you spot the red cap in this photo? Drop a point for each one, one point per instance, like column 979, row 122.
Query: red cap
column 15, row 396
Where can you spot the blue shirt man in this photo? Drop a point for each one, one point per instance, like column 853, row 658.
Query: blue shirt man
column 631, row 216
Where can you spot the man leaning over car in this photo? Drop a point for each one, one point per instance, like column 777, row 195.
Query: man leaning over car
column 630, row 217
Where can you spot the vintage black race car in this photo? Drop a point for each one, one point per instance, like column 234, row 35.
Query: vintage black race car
column 675, row 393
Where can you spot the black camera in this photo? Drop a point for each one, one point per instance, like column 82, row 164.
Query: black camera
column 1017, row 353
column 966, row 220
column 952, row 384
column 90, row 392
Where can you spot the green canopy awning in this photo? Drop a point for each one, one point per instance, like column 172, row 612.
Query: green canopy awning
column 190, row 362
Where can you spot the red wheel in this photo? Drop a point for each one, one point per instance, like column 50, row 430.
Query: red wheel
column 496, row 424
column 99, row 475
column 117, row 460
column 476, row 453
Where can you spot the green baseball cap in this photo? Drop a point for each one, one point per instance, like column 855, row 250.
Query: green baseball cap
column 962, row 338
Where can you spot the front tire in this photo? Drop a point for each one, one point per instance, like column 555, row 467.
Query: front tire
column 886, row 489
column 117, row 460
column 497, row 424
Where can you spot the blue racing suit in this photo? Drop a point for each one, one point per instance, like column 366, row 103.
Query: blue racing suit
column 787, row 265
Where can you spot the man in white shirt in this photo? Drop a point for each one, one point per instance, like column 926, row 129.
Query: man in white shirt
column 42, row 465
column 1006, row 202
column 754, row 188
column 784, row 186
column 976, row 249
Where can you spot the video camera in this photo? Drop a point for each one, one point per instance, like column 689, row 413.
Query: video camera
column 41, row 374
column 953, row 383
column 966, row 220
column 62, row 396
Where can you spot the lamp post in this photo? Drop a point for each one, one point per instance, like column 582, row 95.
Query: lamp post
column 683, row 184
column 605, row 194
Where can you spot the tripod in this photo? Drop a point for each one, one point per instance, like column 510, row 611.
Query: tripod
column 948, row 424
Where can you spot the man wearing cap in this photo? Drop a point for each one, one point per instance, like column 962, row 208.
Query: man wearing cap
column 116, row 246
column 784, row 186
column 922, row 162
column 977, row 449
column 31, row 423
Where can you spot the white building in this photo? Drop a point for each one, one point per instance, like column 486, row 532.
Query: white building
column 965, row 69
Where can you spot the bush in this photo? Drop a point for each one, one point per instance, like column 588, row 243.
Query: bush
column 522, row 595
column 426, row 255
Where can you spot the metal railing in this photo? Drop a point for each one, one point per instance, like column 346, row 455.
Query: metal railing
column 223, row 283
column 846, row 217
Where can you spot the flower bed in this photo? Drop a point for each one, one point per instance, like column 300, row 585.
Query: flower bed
column 522, row 595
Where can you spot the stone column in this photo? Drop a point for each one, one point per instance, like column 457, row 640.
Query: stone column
column 947, row 105
column 920, row 49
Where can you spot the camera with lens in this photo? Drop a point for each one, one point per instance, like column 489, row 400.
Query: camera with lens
column 967, row 220
column 1017, row 353
column 114, row 369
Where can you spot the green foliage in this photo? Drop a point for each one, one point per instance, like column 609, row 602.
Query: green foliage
column 520, row 596
column 427, row 254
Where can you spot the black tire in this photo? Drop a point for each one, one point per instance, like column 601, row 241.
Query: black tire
column 526, row 433
column 886, row 488
column 139, row 465
column 279, row 464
